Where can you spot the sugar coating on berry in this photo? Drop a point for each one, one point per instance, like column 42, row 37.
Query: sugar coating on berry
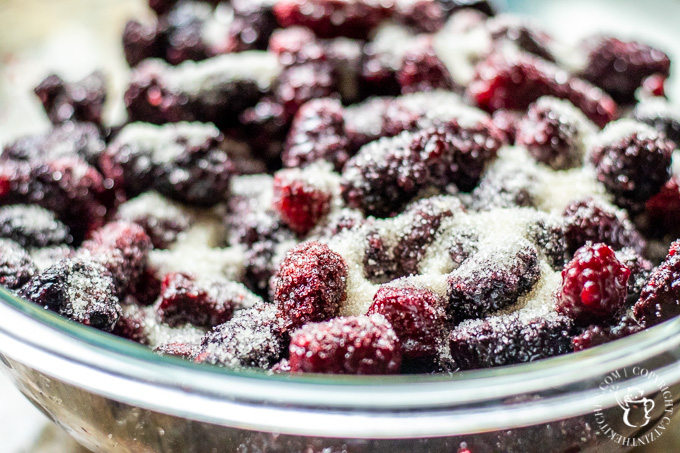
column 461, row 46
column 252, row 338
column 32, row 226
column 555, row 133
column 213, row 74
column 588, row 220
column 632, row 160
column 47, row 256
column 594, row 284
column 78, row 289
column 349, row 345
column 162, row 219
column 16, row 266
column 661, row 115
column 508, row 339
column 310, row 284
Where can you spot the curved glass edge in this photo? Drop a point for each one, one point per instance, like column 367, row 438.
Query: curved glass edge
column 361, row 407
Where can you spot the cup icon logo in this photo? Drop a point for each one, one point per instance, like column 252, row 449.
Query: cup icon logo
column 636, row 407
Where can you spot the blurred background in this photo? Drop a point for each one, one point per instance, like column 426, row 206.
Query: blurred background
column 73, row 37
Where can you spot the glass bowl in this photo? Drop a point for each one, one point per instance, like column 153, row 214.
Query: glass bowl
column 115, row 396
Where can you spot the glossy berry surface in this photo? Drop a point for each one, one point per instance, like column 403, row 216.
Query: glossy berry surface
column 594, row 284
column 300, row 202
column 350, row 345
column 310, row 284
column 422, row 70
column 416, row 315
column 596, row 335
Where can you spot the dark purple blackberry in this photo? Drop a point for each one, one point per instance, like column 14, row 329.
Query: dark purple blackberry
column 347, row 58
column 301, row 83
column 661, row 115
column 132, row 324
column 81, row 101
column 458, row 154
column 146, row 289
column 422, row 70
column 185, row 301
column 296, row 45
column 317, row 133
column 417, row 317
column 16, row 266
column 491, row 280
column 310, row 284
column 188, row 162
column 620, row 67
column 77, row 289
column 662, row 211
column 596, row 335
column 32, row 226
column 123, row 249
column 594, row 285
column 63, row 140
column 265, row 127
column 660, row 298
column 635, row 166
column 508, row 340
column 215, row 90
column 588, row 221
column 553, row 132
column 384, row 176
column 523, row 34
column 378, row 75
column 331, row 18
column 425, row 217
column 516, row 81
column 640, row 271
column 253, row 24
column 141, row 41
column 346, row 345
column 252, row 338
column 68, row 186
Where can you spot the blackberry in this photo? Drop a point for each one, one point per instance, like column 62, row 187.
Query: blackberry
column 491, row 280
column 635, row 164
column 596, row 335
column 620, row 67
column 310, row 284
column 77, row 289
column 594, row 285
column 660, row 299
column 32, row 226
column 351, row 345
column 508, row 340
column 81, row 101
column 422, row 70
